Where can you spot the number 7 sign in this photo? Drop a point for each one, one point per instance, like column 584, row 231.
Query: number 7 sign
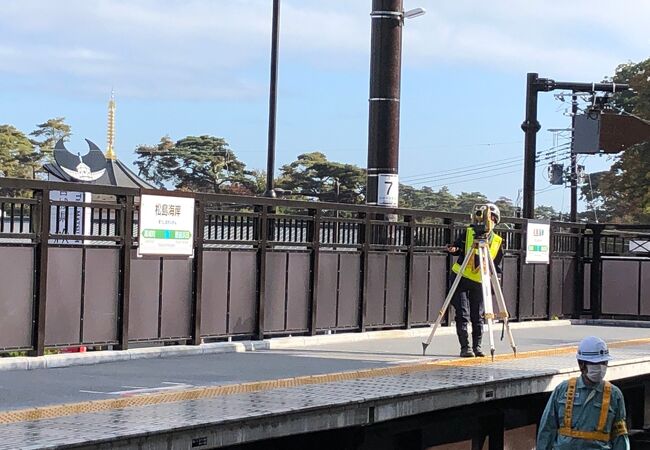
column 387, row 189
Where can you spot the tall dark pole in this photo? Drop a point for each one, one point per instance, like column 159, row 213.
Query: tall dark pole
column 530, row 126
column 383, row 122
column 273, row 95
column 573, row 216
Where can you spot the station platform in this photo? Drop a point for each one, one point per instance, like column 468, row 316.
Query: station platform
column 219, row 400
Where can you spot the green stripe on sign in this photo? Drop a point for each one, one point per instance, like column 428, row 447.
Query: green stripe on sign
column 537, row 248
column 166, row 234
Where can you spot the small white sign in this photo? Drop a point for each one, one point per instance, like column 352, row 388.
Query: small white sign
column 387, row 189
column 69, row 219
column 538, row 242
column 639, row 246
column 166, row 225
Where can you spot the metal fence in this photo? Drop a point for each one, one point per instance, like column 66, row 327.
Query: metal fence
column 70, row 275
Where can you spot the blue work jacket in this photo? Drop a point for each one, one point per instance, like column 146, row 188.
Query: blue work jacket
column 586, row 413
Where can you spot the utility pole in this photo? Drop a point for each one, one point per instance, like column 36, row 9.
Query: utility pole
column 384, row 102
column 573, row 217
column 531, row 126
column 273, row 96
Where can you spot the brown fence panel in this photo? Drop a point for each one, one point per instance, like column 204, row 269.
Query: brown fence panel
column 276, row 287
column 420, row 288
column 540, row 298
column 586, row 286
column 348, row 290
column 63, row 310
column 510, row 267
column 437, row 285
column 297, row 308
column 556, row 273
column 145, row 298
column 214, row 298
column 242, row 313
column 328, row 279
column 620, row 287
column 101, row 295
column 395, row 289
column 375, row 308
column 176, row 299
column 526, row 291
column 16, row 296
column 644, row 289
column 570, row 275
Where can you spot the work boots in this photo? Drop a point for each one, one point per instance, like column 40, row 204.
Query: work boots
column 476, row 341
column 463, row 339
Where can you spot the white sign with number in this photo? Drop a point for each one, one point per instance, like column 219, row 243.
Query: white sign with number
column 538, row 242
column 166, row 225
column 387, row 189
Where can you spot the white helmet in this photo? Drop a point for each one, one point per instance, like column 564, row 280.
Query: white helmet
column 593, row 349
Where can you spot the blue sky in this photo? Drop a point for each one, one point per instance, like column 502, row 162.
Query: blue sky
column 189, row 67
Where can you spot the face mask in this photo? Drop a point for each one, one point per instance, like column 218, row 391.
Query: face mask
column 596, row 372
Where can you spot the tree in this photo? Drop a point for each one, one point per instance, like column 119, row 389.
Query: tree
column 48, row 133
column 195, row 163
column 157, row 163
column 312, row 175
column 546, row 212
column 17, row 156
column 624, row 190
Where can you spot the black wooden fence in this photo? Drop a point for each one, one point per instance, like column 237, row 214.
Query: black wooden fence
column 261, row 267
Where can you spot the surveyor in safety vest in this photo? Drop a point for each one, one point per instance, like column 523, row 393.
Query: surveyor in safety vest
column 468, row 298
column 585, row 412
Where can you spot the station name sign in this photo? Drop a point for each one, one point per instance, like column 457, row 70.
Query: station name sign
column 538, row 242
column 166, row 225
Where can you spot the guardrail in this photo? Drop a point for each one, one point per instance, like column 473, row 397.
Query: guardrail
column 261, row 267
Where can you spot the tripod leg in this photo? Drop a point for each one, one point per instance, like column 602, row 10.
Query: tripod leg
column 484, row 258
column 501, row 302
column 445, row 305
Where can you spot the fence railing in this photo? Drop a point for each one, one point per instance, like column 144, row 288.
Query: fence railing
column 70, row 274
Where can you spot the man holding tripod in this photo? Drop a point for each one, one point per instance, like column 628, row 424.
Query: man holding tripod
column 468, row 298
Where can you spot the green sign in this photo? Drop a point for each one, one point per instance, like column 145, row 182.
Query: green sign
column 166, row 234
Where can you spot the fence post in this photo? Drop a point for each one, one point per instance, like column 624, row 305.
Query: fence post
column 578, row 276
column 596, row 272
column 40, row 272
column 313, row 236
column 126, row 229
column 410, row 242
column 197, row 270
column 448, row 237
column 262, row 242
column 365, row 230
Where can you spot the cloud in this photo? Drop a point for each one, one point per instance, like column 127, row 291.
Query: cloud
column 188, row 49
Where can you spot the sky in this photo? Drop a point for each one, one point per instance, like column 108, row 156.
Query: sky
column 195, row 67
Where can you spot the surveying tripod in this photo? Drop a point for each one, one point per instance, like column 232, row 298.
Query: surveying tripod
column 488, row 279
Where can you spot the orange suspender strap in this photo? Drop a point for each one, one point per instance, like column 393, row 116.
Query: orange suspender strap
column 599, row 434
column 604, row 409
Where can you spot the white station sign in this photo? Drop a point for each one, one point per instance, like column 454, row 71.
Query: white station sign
column 166, row 225
column 538, row 242
column 387, row 189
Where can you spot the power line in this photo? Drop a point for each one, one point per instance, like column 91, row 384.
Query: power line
column 474, row 179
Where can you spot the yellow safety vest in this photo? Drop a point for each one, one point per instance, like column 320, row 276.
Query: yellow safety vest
column 599, row 434
column 472, row 271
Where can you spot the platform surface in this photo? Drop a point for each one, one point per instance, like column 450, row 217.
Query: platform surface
column 223, row 399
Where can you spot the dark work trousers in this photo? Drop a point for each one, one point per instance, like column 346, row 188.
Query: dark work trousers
column 468, row 303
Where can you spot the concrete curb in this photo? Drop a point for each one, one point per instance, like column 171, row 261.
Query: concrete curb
column 90, row 358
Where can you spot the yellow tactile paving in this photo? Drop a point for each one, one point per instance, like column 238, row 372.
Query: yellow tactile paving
column 53, row 411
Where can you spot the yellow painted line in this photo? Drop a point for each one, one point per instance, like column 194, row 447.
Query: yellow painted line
column 88, row 407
